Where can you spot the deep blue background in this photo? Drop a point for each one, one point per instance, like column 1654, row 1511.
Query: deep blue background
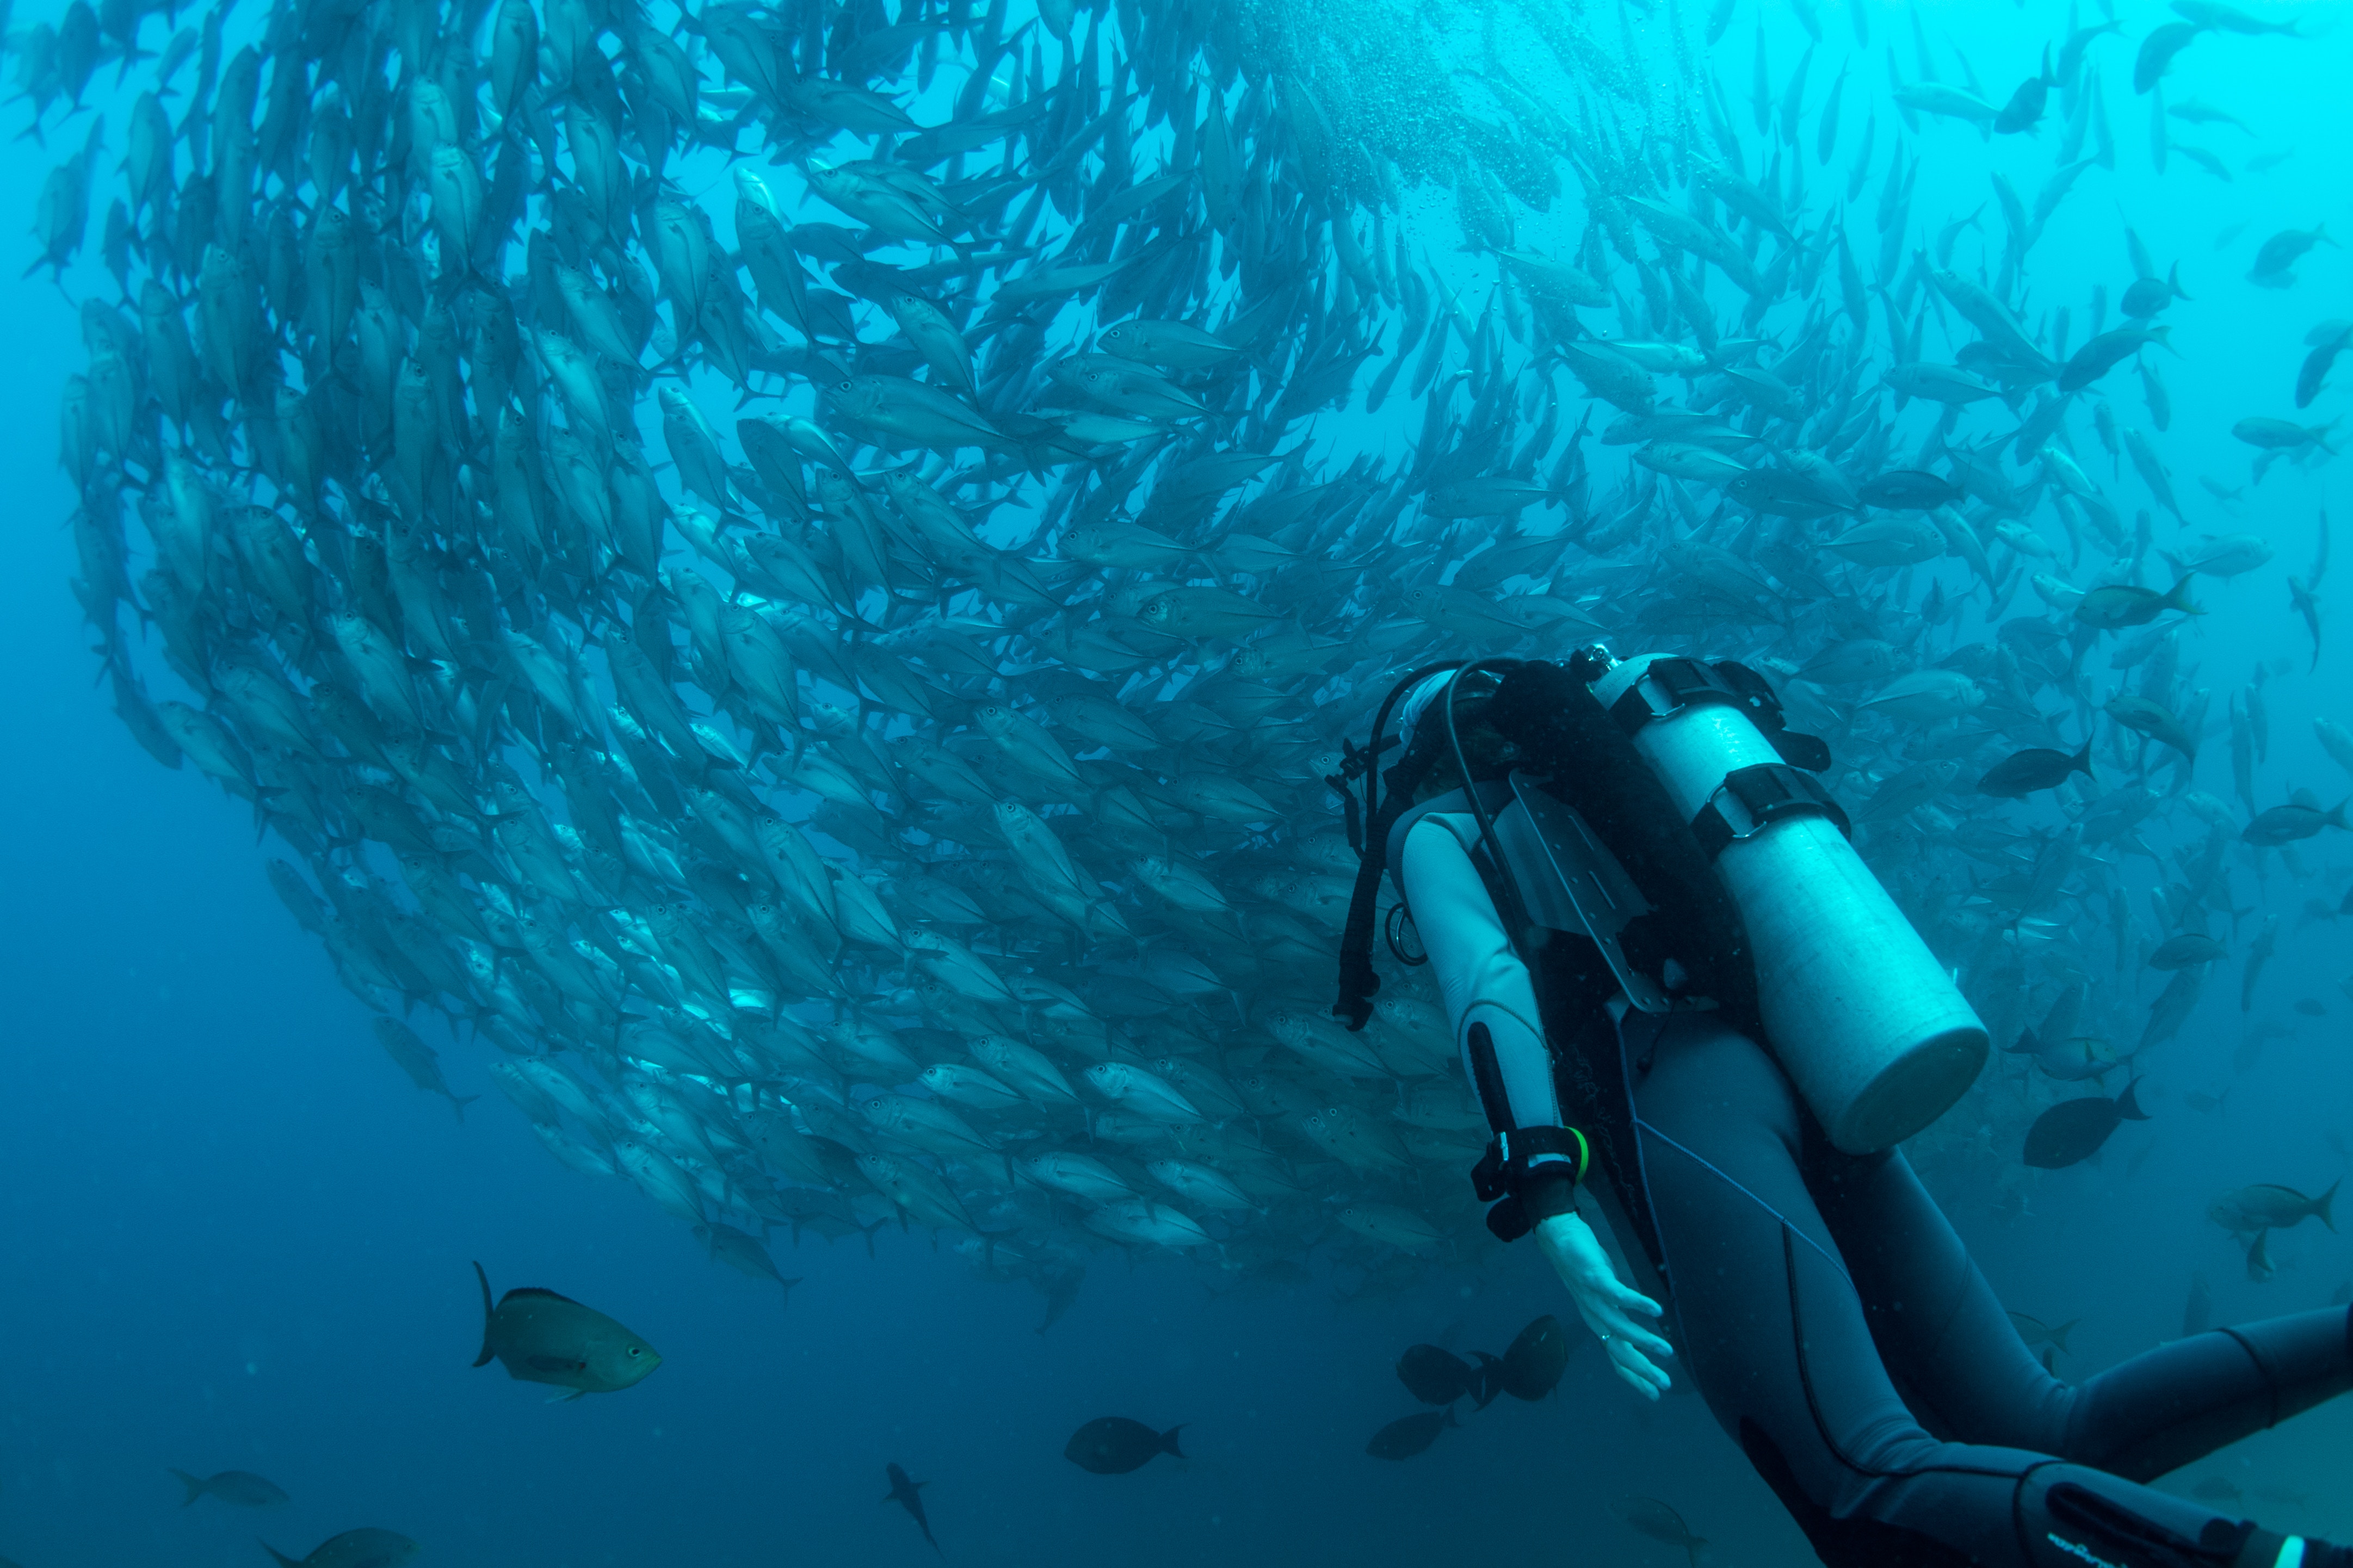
column 235, row 1236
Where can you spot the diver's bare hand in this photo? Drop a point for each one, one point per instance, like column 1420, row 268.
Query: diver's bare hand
column 1606, row 1305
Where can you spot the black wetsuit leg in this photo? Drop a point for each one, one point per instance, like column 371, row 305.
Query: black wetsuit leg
column 1776, row 1300
column 1963, row 1369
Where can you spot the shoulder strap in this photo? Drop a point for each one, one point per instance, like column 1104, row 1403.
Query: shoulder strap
column 1358, row 979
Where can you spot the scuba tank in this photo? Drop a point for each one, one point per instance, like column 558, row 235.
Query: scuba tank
column 1869, row 1027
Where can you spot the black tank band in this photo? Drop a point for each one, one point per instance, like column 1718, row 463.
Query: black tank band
column 1753, row 798
column 1668, row 686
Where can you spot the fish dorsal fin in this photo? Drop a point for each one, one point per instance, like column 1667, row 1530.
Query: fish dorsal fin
column 533, row 1291
column 2306, row 798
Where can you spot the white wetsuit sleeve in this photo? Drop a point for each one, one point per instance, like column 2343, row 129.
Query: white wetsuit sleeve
column 1483, row 980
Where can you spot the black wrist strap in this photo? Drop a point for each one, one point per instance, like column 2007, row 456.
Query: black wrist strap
column 1529, row 1174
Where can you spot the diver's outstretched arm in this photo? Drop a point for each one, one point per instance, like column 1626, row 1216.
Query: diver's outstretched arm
column 1491, row 1005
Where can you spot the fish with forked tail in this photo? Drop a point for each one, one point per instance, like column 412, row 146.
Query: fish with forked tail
column 1113, row 1446
column 542, row 1337
column 2074, row 1129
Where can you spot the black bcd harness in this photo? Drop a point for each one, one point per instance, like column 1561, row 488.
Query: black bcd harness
column 1585, row 756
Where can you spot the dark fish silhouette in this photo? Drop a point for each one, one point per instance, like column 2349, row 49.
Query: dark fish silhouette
column 2287, row 824
column 2024, row 110
column 1112, row 1446
column 908, row 1493
column 1411, row 1434
column 1436, row 1375
column 2147, row 296
column 2074, row 1129
column 366, row 1547
column 1649, row 1516
column 2327, row 340
column 1532, row 1365
column 2021, row 774
column 2185, row 951
column 2268, row 1206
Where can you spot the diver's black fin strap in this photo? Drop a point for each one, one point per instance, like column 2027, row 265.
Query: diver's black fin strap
column 1682, row 683
column 1753, row 798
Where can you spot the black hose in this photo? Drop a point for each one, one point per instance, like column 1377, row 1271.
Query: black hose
column 1516, row 917
column 1358, row 981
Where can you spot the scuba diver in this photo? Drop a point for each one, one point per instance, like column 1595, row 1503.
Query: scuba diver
column 1678, row 992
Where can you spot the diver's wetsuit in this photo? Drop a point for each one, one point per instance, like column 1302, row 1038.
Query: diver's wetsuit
column 1809, row 1286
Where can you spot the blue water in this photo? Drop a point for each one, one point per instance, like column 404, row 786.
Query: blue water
column 237, row 1238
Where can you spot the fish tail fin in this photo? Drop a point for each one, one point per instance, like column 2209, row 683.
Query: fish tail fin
column 283, row 1561
column 196, row 1488
column 2080, row 763
column 1693, row 1547
column 2059, row 1334
column 2173, row 282
column 2128, row 1107
column 484, row 1359
column 2028, row 1045
column 2320, row 1207
column 2178, row 599
column 1169, row 1440
column 458, row 1102
column 2336, row 817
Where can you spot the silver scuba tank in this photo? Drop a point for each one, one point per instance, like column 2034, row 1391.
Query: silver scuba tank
column 1865, row 1021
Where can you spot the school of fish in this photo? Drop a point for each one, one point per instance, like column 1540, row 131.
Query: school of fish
column 800, row 571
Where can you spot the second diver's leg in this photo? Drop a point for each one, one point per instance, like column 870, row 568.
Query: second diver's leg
column 1773, row 1332
column 1964, row 1370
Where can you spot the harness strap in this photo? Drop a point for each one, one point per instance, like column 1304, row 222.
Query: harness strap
column 1753, row 798
column 1669, row 686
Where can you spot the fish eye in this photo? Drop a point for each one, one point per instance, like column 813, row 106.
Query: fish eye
column 635, row 1351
